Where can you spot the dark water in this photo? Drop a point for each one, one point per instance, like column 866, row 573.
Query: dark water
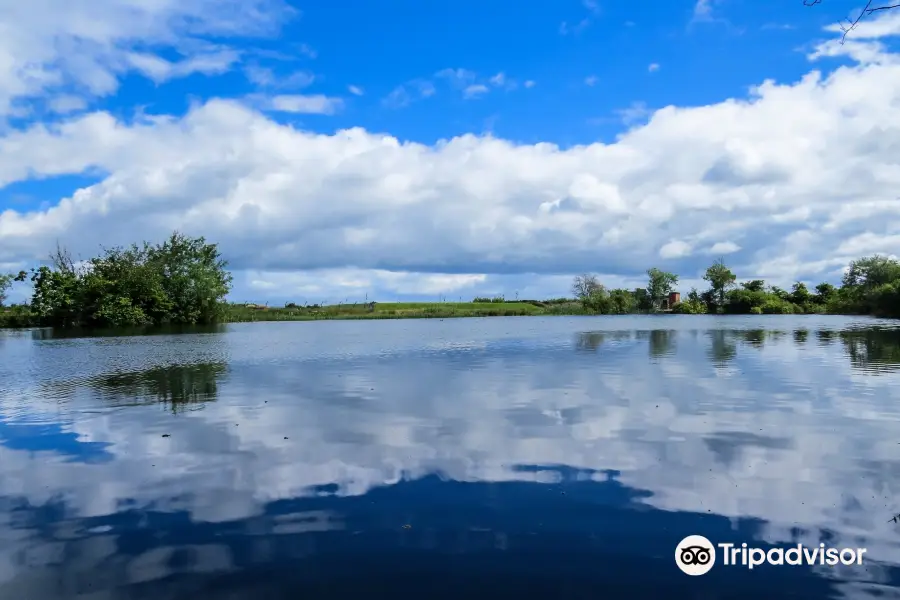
column 475, row 458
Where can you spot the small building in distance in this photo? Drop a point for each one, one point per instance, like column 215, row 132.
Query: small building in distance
column 666, row 304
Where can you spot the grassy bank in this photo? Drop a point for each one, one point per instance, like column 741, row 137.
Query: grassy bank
column 21, row 316
column 239, row 313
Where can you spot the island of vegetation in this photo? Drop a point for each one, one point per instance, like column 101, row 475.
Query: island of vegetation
column 185, row 281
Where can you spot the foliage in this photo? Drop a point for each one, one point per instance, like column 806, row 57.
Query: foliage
column 17, row 315
column 720, row 279
column 692, row 305
column 871, row 286
column 643, row 301
column 184, row 281
column 754, row 285
column 181, row 281
column 660, row 285
column 485, row 299
column 5, row 283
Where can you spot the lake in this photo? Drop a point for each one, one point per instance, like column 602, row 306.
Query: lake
column 477, row 458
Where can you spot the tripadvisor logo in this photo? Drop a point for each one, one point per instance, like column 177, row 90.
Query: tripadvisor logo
column 696, row 555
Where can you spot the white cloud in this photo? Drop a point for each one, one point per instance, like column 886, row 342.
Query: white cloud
column 703, row 9
column 460, row 78
column 159, row 69
column 64, row 104
column 475, row 90
column 309, row 104
column 529, row 83
column 355, row 90
column 813, row 156
column 675, row 249
column 638, row 111
column 593, row 11
column 865, row 45
column 723, row 248
column 412, row 91
column 591, row 80
column 501, row 80
column 55, row 44
column 653, row 67
column 464, row 81
column 267, row 78
column 332, row 284
column 307, row 50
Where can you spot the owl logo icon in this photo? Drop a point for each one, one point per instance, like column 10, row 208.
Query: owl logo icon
column 695, row 555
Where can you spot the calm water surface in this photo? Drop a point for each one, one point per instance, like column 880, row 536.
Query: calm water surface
column 489, row 458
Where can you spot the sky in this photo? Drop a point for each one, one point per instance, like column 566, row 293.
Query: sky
column 404, row 150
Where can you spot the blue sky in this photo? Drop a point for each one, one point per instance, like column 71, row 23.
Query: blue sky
column 434, row 170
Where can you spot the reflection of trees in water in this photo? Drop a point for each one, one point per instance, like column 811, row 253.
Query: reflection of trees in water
column 174, row 385
column 753, row 337
column 47, row 333
column 824, row 337
column 662, row 342
column 873, row 350
column 592, row 340
column 722, row 347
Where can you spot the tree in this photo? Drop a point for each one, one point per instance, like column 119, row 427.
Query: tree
column 720, row 279
column 622, row 302
column 642, row 300
column 181, row 281
column 800, row 294
column 780, row 293
column 871, row 7
column 660, row 285
column 824, row 292
column 585, row 285
column 692, row 305
column 756, row 285
column 194, row 277
column 5, row 283
column 871, row 272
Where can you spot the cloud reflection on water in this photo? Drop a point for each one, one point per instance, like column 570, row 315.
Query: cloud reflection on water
column 791, row 427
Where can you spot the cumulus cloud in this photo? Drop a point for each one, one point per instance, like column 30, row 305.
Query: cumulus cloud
column 675, row 249
column 797, row 179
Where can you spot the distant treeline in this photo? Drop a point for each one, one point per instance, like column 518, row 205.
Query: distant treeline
column 184, row 281
column 870, row 286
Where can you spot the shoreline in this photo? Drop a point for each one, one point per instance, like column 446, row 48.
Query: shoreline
column 427, row 311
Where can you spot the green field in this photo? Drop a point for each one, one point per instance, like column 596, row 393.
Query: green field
column 237, row 313
column 21, row 316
